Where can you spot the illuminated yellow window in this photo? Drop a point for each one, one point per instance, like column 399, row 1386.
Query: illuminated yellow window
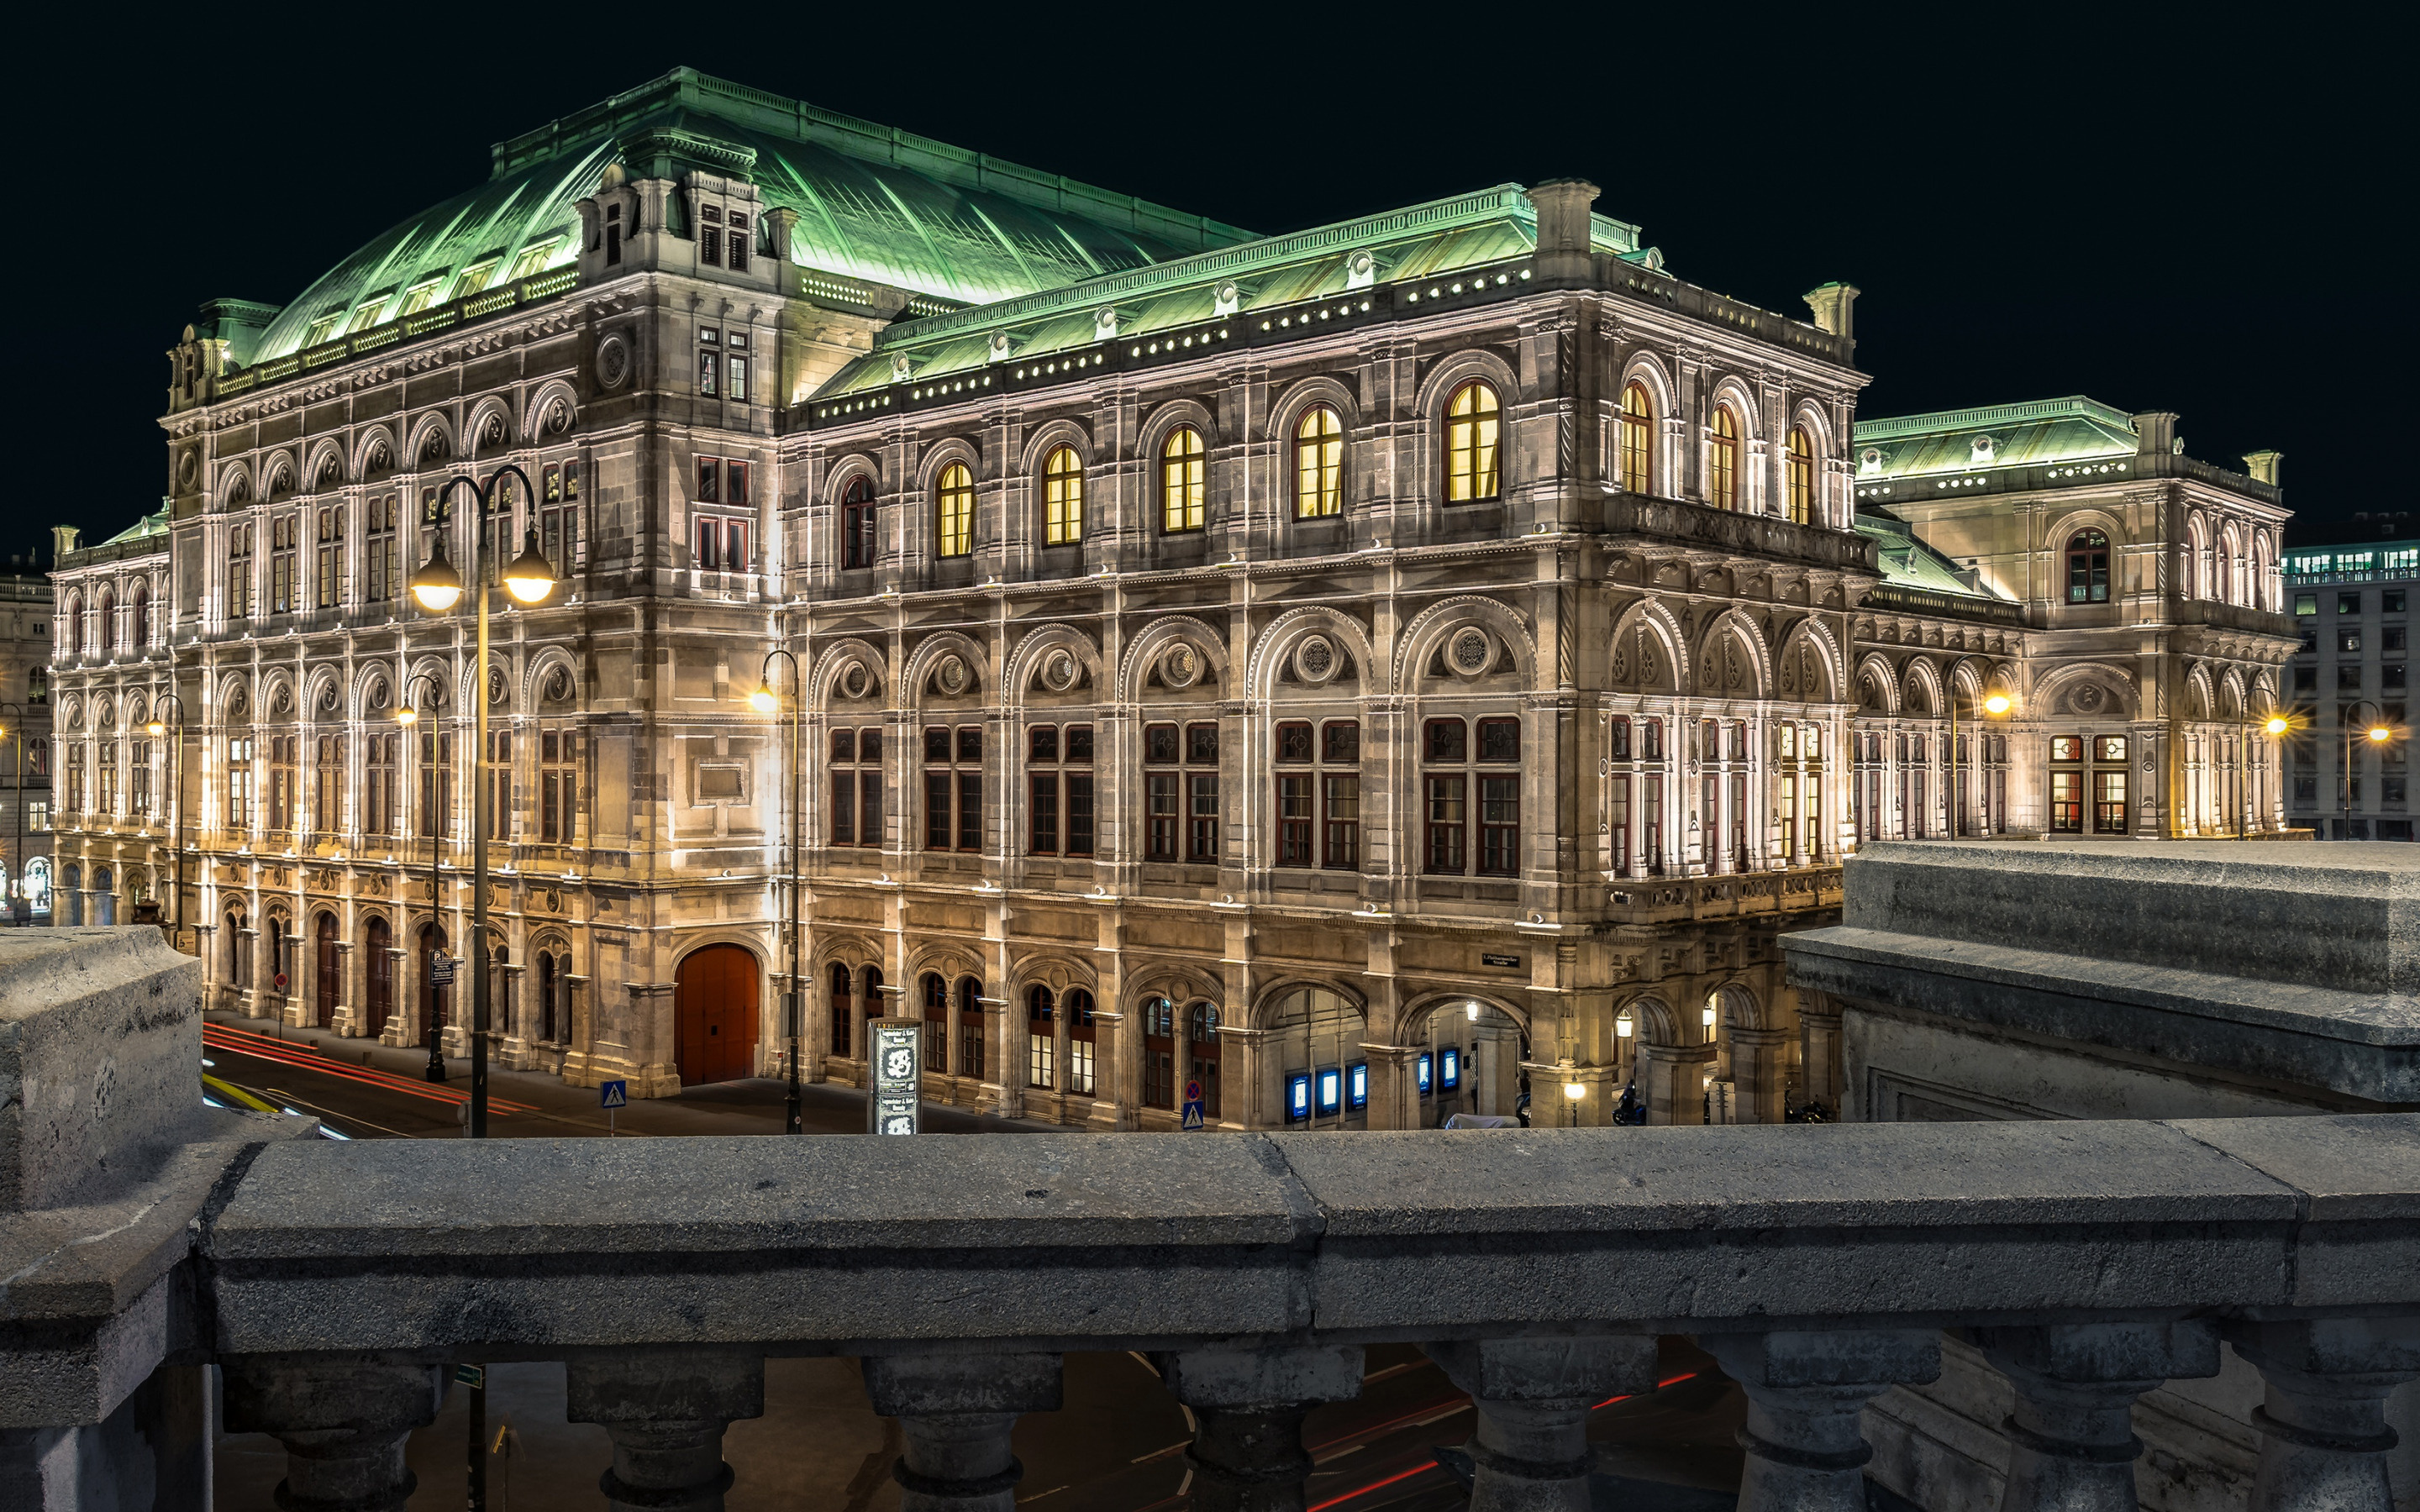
column 1473, row 422
column 1183, row 481
column 1802, row 475
column 1318, row 464
column 1063, row 497
column 1637, row 440
column 1722, row 461
column 953, row 502
column 474, row 277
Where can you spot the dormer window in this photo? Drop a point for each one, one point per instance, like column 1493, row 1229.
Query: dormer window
column 710, row 235
column 535, row 256
column 367, row 314
column 474, row 277
column 420, row 296
column 323, row 328
column 738, row 226
column 612, row 234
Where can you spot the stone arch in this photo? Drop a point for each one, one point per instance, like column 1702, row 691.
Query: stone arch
column 2088, row 517
column 435, row 672
column 2056, row 694
column 550, row 394
column 325, row 703
column 1286, row 412
column 416, row 456
column 947, row 958
column 1655, row 1020
column 366, row 446
column 1920, row 685
column 847, row 466
column 1144, row 651
column 235, row 485
column 1278, row 639
column 1024, row 664
column 1742, row 1009
column 1438, row 389
column 941, row 454
column 1831, row 459
column 1179, row 981
column 1429, row 628
column 1063, row 431
column 824, row 677
column 1646, row 369
column 491, row 406
column 1265, row 1003
column 854, row 951
column 2201, row 699
column 1648, row 619
column 275, row 683
column 1736, row 625
column 1808, row 646
column 2230, row 695
column 1165, row 417
column 2197, row 556
column 325, row 466
column 277, row 474
column 1415, row 1013
column 1057, row 970
column 928, row 653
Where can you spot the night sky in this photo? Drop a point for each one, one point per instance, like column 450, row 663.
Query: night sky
column 2175, row 214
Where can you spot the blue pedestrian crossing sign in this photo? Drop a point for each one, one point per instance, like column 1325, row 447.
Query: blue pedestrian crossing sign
column 1192, row 1105
column 613, row 1094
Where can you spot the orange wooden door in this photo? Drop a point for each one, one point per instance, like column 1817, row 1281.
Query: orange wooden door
column 715, row 1004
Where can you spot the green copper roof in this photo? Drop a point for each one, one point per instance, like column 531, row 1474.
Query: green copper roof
column 1908, row 561
column 1428, row 241
column 1996, row 436
column 148, row 525
column 873, row 203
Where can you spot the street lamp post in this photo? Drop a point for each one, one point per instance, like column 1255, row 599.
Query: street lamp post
column 156, row 729
column 1994, row 705
column 764, row 701
column 2274, row 727
column 408, row 715
column 2379, row 735
column 12, row 718
column 437, row 588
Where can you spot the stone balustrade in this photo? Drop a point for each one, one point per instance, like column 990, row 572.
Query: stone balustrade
column 335, row 1284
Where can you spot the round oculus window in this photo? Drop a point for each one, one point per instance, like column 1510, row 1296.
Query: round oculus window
column 1058, row 671
column 1470, row 651
column 951, row 676
column 1314, row 660
column 612, row 361
column 1181, row 667
column 855, row 680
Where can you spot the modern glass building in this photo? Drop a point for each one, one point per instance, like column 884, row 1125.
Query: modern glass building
column 2351, row 677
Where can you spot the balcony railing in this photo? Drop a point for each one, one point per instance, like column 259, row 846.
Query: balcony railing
column 336, row 1285
column 1731, row 895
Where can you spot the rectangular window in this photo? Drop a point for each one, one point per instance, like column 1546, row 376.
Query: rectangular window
column 1617, row 822
column 2391, row 601
column 1617, row 743
column 2306, row 603
column 709, row 481
column 2306, row 679
column 1201, row 839
column 2391, row 637
column 709, row 374
column 738, row 261
column 1341, row 847
column 1160, row 798
column 734, row 480
column 736, row 371
column 1446, row 822
column 331, row 559
column 1340, row 742
column 2348, row 642
column 1043, row 812
column 857, row 787
column 558, row 785
column 2349, row 603
column 2109, row 803
column 378, row 550
column 1296, row 817
column 2391, row 677
column 1499, row 740
column 941, row 830
column 1500, row 825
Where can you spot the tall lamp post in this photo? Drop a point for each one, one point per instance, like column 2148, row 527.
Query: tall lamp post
column 2275, row 727
column 1993, row 705
column 437, row 588
column 408, row 715
column 156, row 729
column 12, row 722
column 2379, row 735
column 764, row 701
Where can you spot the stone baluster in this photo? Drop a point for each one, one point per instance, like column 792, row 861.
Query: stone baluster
column 1248, row 1410
column 2323, row 1433
column 665, row 1411
column 343, row 1422
column 1806, row 1392
column 1530, row 1452
column 956, row 1412
column 2071, row 1441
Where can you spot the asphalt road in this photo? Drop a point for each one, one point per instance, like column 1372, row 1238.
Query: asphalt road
column 1117, row 1445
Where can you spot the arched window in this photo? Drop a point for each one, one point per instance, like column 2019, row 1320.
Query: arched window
column 104, row 625
column 1159, row 1053
column 1472, row 426
column 1202, row 1054
column 971, row 1029
column 954, row 512
column 75, row 627
column 1041, row 1038
column 1081, row 1034
column 1722, row 460
column 142, row 631
column 2088, row 568
column 1318, row 465
column 857, row 522
column 840, row 1008
column 937, row 1024
column 1801, row 480
column 1637, row 439
column 1062, row 498
column 1183, row 481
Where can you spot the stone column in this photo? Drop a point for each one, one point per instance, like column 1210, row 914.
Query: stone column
column 956, row 1412
column 2323, row 1433
column 1672, row 1079
column 665, row 1411
column 1530, row 1452
column 1758, row 1073
column 1806, row 1390
column 1247, row 1410
column 1394, row 1086
column 343, row 1422
column 2071, row 1442
column 345, row 1014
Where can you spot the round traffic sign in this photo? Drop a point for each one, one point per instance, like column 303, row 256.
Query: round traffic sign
column 1193, row 1091
column 281, row 981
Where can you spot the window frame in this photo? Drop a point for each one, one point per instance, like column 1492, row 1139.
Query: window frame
column 954, row 512
column 1636, row 440
column 1184, row 480
column 1798, row 472
column 1063, row 497
column 858, row 541
column 1473, row 460
column 2087, row 557
column 1723, row 437
column 1318, row 482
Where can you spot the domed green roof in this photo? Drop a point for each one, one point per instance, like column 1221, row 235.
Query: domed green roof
column 873, row 203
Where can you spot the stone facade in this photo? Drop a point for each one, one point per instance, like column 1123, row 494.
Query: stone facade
column 1389, row 666
column 25, row 806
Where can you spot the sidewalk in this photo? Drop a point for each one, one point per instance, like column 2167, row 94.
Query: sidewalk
column 753, row 1106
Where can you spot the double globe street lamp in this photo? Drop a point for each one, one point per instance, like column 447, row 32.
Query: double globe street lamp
column 437, row 588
